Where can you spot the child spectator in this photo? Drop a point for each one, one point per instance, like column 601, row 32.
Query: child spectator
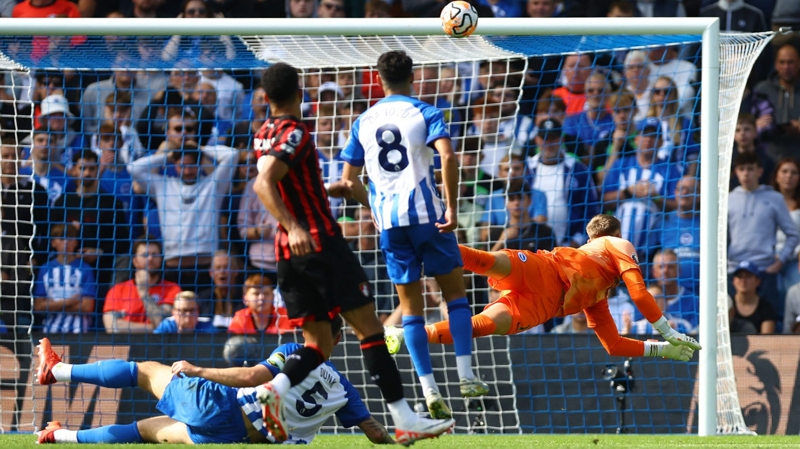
column 185, row 317
column 755, row 213
column 265, row 311
column 65, row 287
column 747, row 304
column 745, row 142
column 521, row 231
column 139, row 304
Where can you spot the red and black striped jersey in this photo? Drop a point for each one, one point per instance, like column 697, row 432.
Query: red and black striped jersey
column 302, row 189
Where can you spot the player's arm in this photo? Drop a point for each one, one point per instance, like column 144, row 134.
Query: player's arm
column 270, row 173
column 450, row 174
column 375, row 431
column 647, row 305
column 599, row 318
column 231, row 377
column 352, row 174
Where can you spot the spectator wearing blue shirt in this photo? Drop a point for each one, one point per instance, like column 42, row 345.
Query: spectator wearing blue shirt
column 676, row 301
column 330, row 159
column 679, row 232
column 57, row 119
column 496, row 213
column 679, row 143
column 639, row 187
column 567, row 183
column 185, row 317
column 44, row 166
column 65, row 287
column 592, row 129
column 505, row 8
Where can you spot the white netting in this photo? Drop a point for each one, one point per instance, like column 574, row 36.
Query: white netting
column 737, row 55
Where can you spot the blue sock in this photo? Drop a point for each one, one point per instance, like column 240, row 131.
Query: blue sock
column 107, row 373
column 417, row 344
column 115, row 433
column 461, row 325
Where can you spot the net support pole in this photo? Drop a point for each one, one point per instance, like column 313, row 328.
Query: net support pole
column 709, row 237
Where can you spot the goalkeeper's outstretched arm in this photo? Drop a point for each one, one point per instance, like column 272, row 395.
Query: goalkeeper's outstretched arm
column 600, row 319
column 647, row 305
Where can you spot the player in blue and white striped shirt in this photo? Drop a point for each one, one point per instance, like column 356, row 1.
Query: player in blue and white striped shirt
column 395, row 141
column 208, row 407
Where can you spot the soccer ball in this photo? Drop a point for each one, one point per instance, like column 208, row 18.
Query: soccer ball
column 459, row 19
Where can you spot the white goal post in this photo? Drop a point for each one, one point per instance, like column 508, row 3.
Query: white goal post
column 713, row 146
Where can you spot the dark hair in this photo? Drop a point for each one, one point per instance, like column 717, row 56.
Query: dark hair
column 746, row 117
column 280, row 83
column 336, row 326
column 774, row 183
column 747, row 159
column 209, row 12
column 61, row 231
column 86, row 154
column 517, row 187
column 395, row 67
column 624, row 6
column 145, row 241
column 190, row 149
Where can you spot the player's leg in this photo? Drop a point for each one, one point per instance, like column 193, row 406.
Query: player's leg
column 302, row 281
column 382, row 369
column 495, row 320
column 150, row 376
column 163, row 429
column 403, row 263
column 495, row 265
column 113, row 434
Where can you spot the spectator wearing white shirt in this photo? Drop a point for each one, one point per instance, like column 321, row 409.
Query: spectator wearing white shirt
column 665, row 62
column 230, row 94
column 189, row 206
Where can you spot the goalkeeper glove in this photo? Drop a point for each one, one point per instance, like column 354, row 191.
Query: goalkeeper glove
column 668, row 351
column 673, row 336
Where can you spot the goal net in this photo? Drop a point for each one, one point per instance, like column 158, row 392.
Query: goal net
column 105, row 195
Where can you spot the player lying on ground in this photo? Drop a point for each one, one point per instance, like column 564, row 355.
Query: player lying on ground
column 395, row 141
column 318, row 273
column 207, row 405
column 536, row 287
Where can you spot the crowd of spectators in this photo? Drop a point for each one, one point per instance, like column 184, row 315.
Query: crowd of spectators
column 127, row 200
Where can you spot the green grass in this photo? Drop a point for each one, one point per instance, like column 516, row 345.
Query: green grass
column 516, row 441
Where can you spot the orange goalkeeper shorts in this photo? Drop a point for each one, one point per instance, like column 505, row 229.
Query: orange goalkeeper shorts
column 533, row 291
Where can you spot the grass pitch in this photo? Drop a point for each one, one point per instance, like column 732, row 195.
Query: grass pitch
column 506, row 441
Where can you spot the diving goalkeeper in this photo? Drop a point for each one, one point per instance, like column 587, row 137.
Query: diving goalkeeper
column 536, row 287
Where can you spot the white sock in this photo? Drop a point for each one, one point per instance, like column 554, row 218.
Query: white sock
column 62, row 372
column 402, row 415
column 464, row 367
column 282, row 384
column 65, row 436
column 428, row 382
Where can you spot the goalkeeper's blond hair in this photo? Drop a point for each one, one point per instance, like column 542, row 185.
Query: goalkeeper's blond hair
column 603, row 225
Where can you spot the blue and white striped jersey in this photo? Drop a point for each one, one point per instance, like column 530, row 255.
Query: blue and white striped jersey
column 393, row 140
column 59, row 281
column 309, row 404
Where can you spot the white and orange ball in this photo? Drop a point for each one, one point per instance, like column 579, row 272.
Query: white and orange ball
column 459, row 19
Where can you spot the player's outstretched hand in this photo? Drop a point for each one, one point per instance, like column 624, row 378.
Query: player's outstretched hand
column 450, row 221
column 301, row 242
column 185, row 368
column 674, row 337
column 341, row 189
column 680, row 353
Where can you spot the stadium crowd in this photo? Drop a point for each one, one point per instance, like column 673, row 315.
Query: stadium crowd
column 128, row 202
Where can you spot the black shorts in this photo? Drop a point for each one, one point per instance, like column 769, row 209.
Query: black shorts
column 321, row 284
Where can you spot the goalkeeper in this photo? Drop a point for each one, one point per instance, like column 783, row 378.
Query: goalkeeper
column 206, row 405
column 536, row 287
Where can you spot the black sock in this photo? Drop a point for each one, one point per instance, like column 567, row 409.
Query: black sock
column 301, row 362
column 382, row 369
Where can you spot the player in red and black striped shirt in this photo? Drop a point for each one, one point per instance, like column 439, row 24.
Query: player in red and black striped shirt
column 318, row 274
